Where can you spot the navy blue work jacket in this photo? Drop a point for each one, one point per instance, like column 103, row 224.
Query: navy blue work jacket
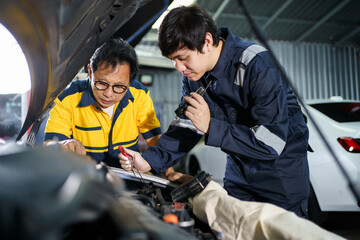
column 255, row 119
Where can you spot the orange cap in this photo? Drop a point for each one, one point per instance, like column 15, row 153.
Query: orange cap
column 171, row 218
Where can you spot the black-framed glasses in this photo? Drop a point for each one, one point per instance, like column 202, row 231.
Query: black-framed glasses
column 102, row 86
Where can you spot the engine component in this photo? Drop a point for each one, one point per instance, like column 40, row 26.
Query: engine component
column 191, row 187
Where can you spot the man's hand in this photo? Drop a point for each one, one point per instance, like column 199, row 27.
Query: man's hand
column 177, row 176
column 73, row 145
column 140, row 163
column 198, row 112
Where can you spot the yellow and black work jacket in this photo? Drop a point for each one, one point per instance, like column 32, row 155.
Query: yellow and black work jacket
column 77, row 115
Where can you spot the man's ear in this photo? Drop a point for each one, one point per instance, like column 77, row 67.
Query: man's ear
column 89, row 71
column 209, row 41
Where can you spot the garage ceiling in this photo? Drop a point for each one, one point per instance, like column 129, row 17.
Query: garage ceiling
column 333, row 22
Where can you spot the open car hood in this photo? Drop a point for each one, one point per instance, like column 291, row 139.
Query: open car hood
column 59, row 37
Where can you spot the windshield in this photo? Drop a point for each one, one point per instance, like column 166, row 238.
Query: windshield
column 340, row 112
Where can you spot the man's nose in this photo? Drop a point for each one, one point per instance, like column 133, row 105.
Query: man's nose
column 108, row 92
column 180, row 67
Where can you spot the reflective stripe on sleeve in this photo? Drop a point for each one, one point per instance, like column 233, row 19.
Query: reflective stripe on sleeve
column 186, row 123
column 263, row 134
column 248, row 54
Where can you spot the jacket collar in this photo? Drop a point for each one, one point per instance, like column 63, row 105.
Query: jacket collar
column 226, row 55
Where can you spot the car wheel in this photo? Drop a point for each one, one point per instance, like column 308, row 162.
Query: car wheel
column 315, row 214
column 192, row 166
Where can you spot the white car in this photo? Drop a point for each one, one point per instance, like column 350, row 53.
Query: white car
column 339, row 122
column 210, row 159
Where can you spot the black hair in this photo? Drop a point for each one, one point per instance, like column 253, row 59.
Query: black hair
column 113, row 52
column 186, row 27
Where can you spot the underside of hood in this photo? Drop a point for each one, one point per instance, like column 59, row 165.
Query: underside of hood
column 58, row 37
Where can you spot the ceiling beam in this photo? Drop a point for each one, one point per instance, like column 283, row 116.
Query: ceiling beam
column 323, row 20
column 277, row 13
column 220, row 9
column 262, row 18
column 347, row 36
column 272, row 18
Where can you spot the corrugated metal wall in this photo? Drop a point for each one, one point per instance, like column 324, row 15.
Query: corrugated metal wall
column 166, row 95
column 320, row 71
column 316, row 71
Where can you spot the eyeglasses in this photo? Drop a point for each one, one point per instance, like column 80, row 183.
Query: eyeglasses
column 102, row 86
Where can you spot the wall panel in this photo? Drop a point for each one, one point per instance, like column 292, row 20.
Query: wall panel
column 320, row 71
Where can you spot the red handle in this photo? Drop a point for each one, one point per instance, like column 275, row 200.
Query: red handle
column 126, row 155
column 122, row 151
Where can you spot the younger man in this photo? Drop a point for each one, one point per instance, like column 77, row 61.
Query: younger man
column 248, row 111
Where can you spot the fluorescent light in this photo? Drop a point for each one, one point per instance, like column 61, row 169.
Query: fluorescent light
column 178, row 3
column 15, row 75
column 174, row 4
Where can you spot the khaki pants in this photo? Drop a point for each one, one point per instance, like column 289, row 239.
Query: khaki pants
column 236, row 219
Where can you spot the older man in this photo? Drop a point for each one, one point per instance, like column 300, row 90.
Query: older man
column 109, row 109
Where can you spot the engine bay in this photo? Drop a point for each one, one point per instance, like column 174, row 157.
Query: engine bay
column 54, row 194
